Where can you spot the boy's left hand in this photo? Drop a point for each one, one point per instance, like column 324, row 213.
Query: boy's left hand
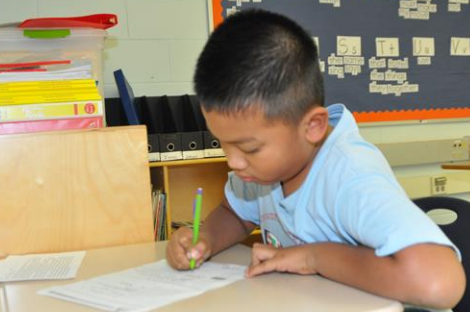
column 298, row 259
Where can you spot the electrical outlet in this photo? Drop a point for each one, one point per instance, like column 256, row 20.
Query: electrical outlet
column 459, row 150
column 438, row 185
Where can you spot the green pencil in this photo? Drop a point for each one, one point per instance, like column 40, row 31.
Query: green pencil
column 196, row 222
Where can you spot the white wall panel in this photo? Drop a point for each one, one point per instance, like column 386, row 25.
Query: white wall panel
column 183, row 58
column 141, row 60
column 167, row 19
column 12, row 11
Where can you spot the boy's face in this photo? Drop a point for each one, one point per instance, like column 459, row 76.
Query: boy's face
column 262, row 152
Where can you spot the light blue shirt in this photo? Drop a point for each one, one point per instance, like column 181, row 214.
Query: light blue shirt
column 349, row 196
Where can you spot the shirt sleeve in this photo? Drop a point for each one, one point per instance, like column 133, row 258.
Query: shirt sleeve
column 377, row 213
column 243, row 198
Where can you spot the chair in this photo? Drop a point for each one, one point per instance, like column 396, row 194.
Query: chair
column 74, row 190
column 457, row 232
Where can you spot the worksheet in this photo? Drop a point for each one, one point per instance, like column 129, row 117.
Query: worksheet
column 146, row 287
column 35, row 267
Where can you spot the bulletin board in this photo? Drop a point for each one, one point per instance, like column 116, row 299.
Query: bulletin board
column 386, row 60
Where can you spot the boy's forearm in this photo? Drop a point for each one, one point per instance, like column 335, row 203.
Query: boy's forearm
column 223, row 228
column 425, row 274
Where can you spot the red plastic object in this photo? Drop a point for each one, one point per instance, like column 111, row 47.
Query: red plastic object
column 101, row 21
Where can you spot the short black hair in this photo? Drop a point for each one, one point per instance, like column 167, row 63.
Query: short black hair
column 260, row 59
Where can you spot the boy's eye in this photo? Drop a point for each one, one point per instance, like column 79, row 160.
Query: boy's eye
column 251, row 151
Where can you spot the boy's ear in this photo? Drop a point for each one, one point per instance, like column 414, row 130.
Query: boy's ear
column 316, row 124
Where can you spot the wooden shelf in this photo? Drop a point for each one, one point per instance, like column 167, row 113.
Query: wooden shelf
column 187, row 162
column 457, row 166
column 179, row 179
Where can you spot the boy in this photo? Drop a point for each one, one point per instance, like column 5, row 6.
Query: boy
column 326, row 200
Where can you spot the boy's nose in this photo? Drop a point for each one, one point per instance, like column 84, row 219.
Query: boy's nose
column 236, row 161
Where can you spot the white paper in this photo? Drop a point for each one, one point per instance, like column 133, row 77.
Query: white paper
column 81, row 71
column 41, row 266
column 146, row 287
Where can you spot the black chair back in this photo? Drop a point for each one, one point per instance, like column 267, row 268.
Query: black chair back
column 458, row 232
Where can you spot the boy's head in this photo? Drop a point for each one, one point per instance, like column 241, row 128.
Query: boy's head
column 260, row 60
column 261, row 92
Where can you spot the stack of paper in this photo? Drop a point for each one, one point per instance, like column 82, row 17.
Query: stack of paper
column 41, row 266
column 44, row 105
column 33, row 72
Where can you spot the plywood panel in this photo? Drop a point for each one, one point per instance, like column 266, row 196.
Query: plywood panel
column 74, row 190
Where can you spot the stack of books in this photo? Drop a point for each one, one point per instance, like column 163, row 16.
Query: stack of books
column 47, row 105
column 159, row 214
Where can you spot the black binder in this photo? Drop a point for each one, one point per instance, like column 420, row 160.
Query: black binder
column 169, row 139
column 212, row 147
column 191, row 135
column 147, row 118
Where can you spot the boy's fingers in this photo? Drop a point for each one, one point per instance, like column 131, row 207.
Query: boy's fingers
column 185, row 242
column 262, row 253
column 200, row 262
column 178, row 248
column 183, row 250
column 255, row 258
column 261, row 268
column 194, row 254
column 176, row 256
column 262, row 260
column 182, row 262
column 197, row 253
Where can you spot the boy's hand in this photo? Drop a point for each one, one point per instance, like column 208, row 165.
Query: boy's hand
column 298, row 259
column 180, row 249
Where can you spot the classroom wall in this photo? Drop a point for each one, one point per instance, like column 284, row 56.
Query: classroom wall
column 157, row 42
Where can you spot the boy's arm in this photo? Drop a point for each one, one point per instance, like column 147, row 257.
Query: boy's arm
column 224, row 228
column 424, row 274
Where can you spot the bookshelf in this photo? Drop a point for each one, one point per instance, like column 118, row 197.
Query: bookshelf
column 179, row 179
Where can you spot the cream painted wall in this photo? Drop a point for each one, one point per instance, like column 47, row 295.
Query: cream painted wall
column 157, row 42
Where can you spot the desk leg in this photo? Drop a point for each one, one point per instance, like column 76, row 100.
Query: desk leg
column 3, row 299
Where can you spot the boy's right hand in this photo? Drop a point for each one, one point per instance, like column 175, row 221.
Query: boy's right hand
column 180, row 249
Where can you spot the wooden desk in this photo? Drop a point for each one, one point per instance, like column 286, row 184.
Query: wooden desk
column 271, row 292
